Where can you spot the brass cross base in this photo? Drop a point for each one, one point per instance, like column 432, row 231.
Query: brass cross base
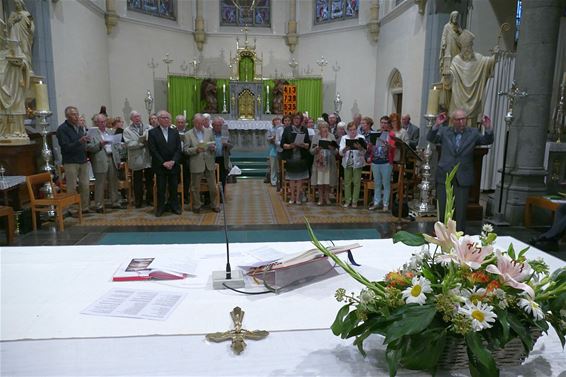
column 238, row 334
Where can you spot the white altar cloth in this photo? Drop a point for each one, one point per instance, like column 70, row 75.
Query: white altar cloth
column 249, row 124
column 45, row 288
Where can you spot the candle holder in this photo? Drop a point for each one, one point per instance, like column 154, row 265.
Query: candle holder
column 47, row 155
column 424, row 205
column 322, row 62
column 267, row 109
column 224, row 107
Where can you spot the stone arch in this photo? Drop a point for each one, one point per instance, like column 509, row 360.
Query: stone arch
column 395, row 92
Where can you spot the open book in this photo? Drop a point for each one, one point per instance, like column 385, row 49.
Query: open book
column 151, row 269
column 297, row 259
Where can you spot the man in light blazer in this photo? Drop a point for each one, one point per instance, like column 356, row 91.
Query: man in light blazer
column 457, row 147
column 165, row 148
column 200, row 145
column 139, row 160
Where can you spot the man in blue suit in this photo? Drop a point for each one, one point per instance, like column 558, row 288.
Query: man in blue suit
column 457, row 147
column 165, row 148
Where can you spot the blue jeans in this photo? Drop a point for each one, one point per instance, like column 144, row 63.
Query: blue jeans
column 381, row 177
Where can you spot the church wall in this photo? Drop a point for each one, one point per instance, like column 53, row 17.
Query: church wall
column 401, row 46
column 485, row 19
column 80, row 57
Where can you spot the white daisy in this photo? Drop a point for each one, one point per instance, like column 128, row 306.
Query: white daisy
column 481, row 314
column 487, row 228
column 531, row 307
column 416, row 292
column 475, row 294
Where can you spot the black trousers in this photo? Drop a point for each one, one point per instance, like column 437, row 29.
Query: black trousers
column 223, row 175
column 186, row 175
column 167, row 182
column 559, row 227
column 461, row 197
column 138, row 181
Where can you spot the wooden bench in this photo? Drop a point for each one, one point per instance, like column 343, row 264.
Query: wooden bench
column 540, row 202
column 8, row 212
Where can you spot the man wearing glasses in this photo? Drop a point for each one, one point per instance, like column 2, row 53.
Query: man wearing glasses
column 457, row 147
column 165, row 149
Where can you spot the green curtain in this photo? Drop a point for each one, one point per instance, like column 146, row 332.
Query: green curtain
column 271, row 85
column 220, row 96
column 309, row 95
column 246, row 69
column 183, row 94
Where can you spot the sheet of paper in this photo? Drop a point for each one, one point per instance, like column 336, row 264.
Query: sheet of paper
column 260, row 257
column 299, row 139
column 186, row 266
column 91, row 132
column 116, row 138
column 135, row 303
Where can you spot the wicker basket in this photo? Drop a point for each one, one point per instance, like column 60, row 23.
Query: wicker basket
column 455, row 355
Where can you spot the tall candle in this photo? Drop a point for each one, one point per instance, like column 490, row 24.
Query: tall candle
column 564, row 79
column 433, row 99
column 185, row 114
column 224, row 88
column 41, row 98
column 267, row 90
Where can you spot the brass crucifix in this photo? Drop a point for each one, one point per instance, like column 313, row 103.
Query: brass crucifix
column 238, row 334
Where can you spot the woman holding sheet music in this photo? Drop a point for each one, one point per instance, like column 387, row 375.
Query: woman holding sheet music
column 381, row 156
column 352, row 150
column 296, row 143
column 323, row 175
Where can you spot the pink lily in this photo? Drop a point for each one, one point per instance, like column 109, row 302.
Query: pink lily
column 512, row 272
column 468, row 252
column 443, row 233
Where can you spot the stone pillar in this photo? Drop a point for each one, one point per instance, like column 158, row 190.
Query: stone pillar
column 534, row 68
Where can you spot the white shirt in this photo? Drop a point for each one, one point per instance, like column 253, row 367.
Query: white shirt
column 165, row 131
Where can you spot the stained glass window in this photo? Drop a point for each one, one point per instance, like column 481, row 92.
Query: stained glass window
column 245, row 12
column 158, row 8
column 335, row 10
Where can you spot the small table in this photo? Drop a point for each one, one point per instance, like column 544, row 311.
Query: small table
column 541, row 202
column 11, row 184
column 8, row 212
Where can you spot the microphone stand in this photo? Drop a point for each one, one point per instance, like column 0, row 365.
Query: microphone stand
column 227, row 278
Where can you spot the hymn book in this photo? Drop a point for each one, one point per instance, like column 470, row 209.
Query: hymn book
column 301, row 258
column 326, row 144
column 351, row 143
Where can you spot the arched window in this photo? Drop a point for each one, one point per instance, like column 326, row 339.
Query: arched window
column 245, row 13
column 335, row 10
column 158, row 8
column 395, row 91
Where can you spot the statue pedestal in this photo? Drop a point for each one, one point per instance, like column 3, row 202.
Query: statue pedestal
column 12, row 130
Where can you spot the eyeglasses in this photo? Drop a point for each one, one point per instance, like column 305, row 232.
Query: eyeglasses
column 464, row 118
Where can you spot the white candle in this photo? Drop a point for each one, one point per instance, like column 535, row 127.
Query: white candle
column 564, row 79
column 433, row 99
column 267, row 90
column 41, row 98
column 185, row 114
column 224, row 88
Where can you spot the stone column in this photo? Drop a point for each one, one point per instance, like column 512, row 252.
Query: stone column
column 534, row 68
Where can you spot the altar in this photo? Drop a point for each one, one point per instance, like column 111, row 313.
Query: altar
column 44, row 290
column 249, row 135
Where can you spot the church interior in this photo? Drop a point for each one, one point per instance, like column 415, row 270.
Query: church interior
column 247, row 63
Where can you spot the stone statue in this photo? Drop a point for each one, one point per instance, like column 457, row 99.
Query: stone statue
column 208, row 93
column 449, row 47
column 15, row 74
column 469, row 72
column 278, row 88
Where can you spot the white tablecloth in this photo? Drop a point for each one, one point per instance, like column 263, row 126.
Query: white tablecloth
column 44, row 289
column 249, row 124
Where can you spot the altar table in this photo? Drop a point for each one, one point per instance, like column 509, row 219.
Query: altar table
column 44, row 289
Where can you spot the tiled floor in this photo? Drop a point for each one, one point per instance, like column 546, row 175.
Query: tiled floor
column 255, row 213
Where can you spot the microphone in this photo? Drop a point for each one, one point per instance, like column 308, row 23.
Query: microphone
column 227, row 278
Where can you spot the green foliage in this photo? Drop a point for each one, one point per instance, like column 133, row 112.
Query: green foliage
column 409, row 239
column 449, row 210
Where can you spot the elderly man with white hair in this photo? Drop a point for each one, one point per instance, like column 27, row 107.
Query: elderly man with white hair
column 139, row 159
column 200, row 145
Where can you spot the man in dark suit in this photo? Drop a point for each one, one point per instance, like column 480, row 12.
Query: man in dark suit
column 413, row 131
column 458, row 143
column 165, row 149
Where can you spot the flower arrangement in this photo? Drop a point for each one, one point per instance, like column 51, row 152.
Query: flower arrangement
column 457, row 288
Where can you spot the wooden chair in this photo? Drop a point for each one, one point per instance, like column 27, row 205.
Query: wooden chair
column 8, row 212
column 126, row 183
column 58, row 203
column 180, row 190
column 204, row 186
